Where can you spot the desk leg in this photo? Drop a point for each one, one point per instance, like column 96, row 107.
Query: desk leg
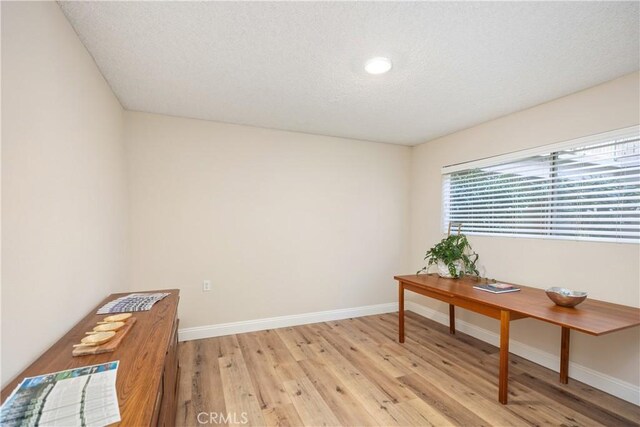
column 401, row 312
column 503, row 381
column 452, row 319
column 564, row 356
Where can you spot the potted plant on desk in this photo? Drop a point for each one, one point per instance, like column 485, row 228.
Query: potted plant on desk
column 453, row 256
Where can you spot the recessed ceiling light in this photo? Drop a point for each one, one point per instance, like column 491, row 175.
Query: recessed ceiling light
column 377, row 65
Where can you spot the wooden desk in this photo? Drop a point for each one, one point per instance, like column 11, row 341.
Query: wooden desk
column 592, row 316
column 148, row 371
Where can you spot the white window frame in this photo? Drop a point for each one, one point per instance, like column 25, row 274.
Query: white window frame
column 523, row 155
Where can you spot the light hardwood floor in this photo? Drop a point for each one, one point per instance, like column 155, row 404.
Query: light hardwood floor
column 354, row 372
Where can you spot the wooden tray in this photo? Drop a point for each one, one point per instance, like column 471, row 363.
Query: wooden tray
column 109, row 346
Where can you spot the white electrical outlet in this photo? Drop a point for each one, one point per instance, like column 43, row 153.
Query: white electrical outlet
column 206, row 286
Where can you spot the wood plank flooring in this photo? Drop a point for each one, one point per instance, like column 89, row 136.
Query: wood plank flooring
column 354, row 372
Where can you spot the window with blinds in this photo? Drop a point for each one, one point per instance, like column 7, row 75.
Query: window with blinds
column 585, row 189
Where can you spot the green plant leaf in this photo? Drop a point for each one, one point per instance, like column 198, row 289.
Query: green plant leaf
column 452, row 249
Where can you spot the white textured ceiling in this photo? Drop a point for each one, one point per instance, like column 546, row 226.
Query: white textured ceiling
column 299, row 66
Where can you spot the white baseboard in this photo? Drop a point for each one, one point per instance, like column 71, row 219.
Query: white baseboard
column 606, row 383
column 222, row 329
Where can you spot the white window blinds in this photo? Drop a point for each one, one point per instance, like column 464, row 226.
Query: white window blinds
column 585, row 189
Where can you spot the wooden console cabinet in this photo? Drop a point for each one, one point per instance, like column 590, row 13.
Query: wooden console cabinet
column 148, row 374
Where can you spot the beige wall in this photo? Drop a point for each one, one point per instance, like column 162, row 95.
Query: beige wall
column 64, row 219
column 608, row 271
column 282, row 223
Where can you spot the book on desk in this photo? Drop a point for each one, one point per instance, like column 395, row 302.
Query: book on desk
column 497, row 288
